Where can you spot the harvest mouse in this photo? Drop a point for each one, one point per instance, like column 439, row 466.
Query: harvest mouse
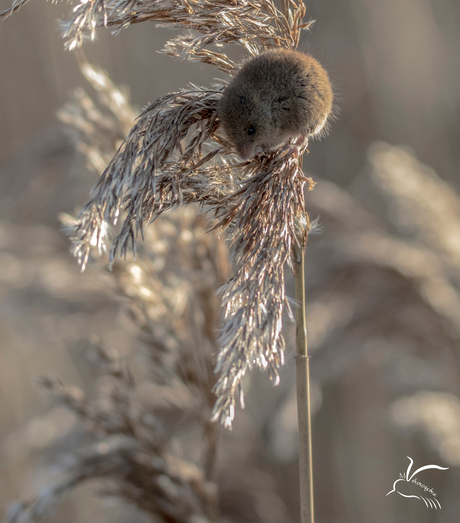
column 276, row 96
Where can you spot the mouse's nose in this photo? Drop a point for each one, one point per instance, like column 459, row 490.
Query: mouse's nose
column 259, row 149
column 245, row 150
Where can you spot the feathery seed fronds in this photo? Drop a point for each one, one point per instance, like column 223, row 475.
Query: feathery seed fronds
column 174, row 156
column 262, row 217
column 250, row 24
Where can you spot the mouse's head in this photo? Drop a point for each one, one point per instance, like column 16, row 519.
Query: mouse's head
column 245, row 117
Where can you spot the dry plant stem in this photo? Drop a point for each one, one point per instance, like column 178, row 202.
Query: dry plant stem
column 302, row 374
column 303, row 394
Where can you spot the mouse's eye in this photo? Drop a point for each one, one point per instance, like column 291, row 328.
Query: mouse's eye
column 251, row 130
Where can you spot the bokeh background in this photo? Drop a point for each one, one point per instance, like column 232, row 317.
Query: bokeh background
column 382, row 279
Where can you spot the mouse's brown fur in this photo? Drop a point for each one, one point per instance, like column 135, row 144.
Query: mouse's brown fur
column 275, row 96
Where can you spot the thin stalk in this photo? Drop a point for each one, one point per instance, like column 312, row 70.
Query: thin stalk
column 303, row 394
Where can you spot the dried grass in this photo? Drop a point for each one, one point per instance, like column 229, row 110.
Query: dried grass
column 170, row 294
column 174, row 156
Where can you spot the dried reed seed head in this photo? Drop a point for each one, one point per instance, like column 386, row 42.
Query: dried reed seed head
column 253, row 25
column 260, row 202
column 262, row 220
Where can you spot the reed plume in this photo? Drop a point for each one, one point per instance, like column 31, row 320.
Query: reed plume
column 170, row 296
column 175, row 156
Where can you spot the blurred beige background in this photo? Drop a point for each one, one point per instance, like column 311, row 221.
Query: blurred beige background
column 395, row 68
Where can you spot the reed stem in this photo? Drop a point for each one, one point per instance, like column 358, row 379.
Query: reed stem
column 303, row 394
